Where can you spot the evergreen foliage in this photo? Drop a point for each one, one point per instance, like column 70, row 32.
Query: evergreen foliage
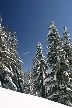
column 11, row 75
column 39, row 72
column 27, row 82
column 57, row 86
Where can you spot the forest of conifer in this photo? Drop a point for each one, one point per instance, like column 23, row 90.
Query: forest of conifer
column 55, row 85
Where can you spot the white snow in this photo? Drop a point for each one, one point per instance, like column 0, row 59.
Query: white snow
column 12, row 99
column 11, row 82
column 66, row 73
column 46, row 80
column 68, row 89
column 70, row 79
column 0, row 83
column 6, row 69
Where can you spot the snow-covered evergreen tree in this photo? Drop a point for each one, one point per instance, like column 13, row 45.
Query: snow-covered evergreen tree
column 33, row 75
column 39, row 72
column 57, row 86
column 54, row 44
column 66, row 42
column 11, row 75
column 67, row 47
column 27, row 82
column 16, row 64
column 5, row 72
column 70, row 77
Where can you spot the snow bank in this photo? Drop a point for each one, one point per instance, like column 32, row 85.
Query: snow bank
column 12, row 99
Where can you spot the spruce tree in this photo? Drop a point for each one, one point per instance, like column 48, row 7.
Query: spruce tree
column 27, row 82
column 11, row 75
column 57, row 61
column 16, row 63
column 39, row 72
column 54, row 44
column 5, row 72
column 33, row 76
column 70, row 78
column 66, row 43
column 67, row 47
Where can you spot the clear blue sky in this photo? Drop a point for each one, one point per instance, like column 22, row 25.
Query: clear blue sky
column 31, row 20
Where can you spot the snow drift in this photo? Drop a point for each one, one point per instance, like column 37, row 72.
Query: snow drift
column 12, row 99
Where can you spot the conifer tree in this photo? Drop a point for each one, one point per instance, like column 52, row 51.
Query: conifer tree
column 11, row 75
column 66, row 42
column 5, row 73
column 39, row 72
column 33, row 75
column 67, row 47
column 57, row 90
column 70, row 79
column 27, row 82
column 54, row 44
column 16, row 64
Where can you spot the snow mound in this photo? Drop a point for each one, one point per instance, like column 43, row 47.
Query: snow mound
column 12, row 99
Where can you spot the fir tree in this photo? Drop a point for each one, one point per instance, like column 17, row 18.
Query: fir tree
column 54, row 44
column 66, row 42
column 16, row 64
column 5, row 72
column 57, row 61
column 33, row 75
column 67, row 47
column 11, row 75
column 70, row 78
column 39, row 72
column 27, row 82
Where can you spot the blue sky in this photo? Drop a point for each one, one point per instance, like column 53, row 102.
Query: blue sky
column 31, row 20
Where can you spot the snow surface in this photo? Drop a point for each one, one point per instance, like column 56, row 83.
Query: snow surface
column 12, row 99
